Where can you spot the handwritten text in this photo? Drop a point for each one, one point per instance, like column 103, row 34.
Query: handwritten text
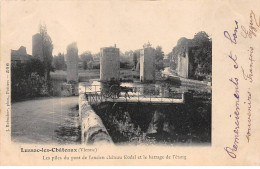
column 226, row 34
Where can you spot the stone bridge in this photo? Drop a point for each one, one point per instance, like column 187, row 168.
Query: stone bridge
column 93, row 129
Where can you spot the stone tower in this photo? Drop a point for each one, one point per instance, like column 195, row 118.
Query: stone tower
column 37, row 46
column 109, row 64
column 72, row 63
column 147, row 66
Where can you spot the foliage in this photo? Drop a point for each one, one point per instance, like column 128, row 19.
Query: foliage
column 159, row 54
column 147, row 45
column 126, row 61
column 125, row 65
column 128, row 55
column 96, row 66
column 200, row 55
column 90, row 65
column 86, row 57
column 173, row 56
column 59, row 62
column 136, row 59
column 34, row 65
column 47, row 51
column 28, row 80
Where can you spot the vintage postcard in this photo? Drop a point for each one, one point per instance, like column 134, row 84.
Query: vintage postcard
column 130, row 82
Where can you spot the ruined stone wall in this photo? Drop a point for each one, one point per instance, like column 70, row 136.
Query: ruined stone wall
column 19, row 56
column 109, row 64
column 147, row 66
column 72, row 63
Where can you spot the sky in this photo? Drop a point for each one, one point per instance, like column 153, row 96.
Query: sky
column 96, row 24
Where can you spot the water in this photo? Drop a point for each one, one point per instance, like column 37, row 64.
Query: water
column 95, row 85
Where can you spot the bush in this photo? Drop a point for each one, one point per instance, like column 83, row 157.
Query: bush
column 96, row 66
column 27, row 80
column 125, row 65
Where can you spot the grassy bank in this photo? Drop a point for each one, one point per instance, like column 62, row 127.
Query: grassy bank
column 85, row 75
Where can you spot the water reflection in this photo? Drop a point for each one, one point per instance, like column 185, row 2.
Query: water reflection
column 161, row 90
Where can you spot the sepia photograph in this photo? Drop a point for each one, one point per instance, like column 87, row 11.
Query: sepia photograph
column 129, row 82
column 118, row 90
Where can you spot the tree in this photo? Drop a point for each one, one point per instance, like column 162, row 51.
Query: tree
column 137, row 63
column 135, row 60
column 174, row 57
column 203, row 54
column 28, row 80
column 34, row 65
column 201, row 38
column 96, row 60
column 159, row 54
column 129, row 55
column 86, row 57
column 147, row 45
column 59, row 62
column 47, row 48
